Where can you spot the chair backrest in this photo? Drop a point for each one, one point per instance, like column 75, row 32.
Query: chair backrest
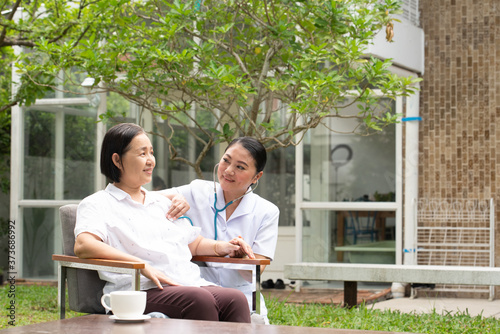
column 84, row 286
column 365, row 223
column 362, row 225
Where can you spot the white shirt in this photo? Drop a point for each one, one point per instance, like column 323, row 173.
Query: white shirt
column 255, row 219
column 141, row 230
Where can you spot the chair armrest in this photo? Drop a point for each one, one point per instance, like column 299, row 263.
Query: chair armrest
column 99, row 262
column 67, row 261
column 237, row 260
column 141, row 265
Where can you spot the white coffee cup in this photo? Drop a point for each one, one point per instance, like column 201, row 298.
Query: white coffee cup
column 125, row 304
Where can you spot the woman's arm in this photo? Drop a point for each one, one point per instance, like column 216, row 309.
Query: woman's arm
column 233, row 248
column 90, row 246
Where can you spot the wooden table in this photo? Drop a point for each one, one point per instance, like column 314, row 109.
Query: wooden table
column 96, row 324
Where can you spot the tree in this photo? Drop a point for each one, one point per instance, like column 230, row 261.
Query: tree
column 222, row 68
column 26, row 23
column 23, row 24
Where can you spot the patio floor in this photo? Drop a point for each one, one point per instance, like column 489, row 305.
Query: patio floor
column 324, row 296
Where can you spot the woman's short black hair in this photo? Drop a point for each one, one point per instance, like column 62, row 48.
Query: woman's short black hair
column 256, row 149
column 117, row 140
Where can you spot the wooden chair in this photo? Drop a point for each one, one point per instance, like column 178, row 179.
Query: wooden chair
column 85, row 286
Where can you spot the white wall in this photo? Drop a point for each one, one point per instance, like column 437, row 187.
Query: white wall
column 406, row 50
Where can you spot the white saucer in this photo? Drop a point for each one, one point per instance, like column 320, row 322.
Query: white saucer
column 138, row 319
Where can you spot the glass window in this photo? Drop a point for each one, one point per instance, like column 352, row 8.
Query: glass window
column 342, row 165
column 79, row 156
column 349, row 236
column 172, row 173
column 59, row 152
column 39, row 155
column 318, row 230
column 41, row 239
column 277, row 184
column 346, row 162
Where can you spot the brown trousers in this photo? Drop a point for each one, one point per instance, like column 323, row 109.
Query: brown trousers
column 205, row 303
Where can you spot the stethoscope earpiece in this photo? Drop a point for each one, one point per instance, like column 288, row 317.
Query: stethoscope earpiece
column 215, row 168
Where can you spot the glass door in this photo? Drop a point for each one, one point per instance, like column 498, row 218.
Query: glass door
column 349, row 191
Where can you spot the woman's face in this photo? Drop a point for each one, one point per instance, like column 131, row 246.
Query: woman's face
column 237, row 170
column 137, row 163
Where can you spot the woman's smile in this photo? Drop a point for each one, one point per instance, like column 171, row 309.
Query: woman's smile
column 138, row 163
column 227, row 178
column 237, row 171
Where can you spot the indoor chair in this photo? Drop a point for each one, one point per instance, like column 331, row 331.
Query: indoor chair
column 85, row 286
column 362, row 225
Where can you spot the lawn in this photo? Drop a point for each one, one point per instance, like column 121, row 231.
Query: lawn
column 35, row 304
column 32, row 304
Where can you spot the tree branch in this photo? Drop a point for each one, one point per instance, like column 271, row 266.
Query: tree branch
column 260, row 82
column 8, row 106
column 267, row 13
column 80, row 37
column 3, row 34
column 225, row 47
column 16, row 42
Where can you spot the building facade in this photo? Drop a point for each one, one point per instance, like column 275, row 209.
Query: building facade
column 459, row 99
column 445, row 149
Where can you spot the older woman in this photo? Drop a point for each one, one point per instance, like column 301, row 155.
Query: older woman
column 126, row 222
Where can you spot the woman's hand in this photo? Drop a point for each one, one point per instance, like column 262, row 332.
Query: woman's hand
column 157, row 276
column 178, row 208
column 236, row 247
column 243, row 250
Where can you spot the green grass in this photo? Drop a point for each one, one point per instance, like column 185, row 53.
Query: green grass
column 33, row 304
column 36, row 304
column 365, row 318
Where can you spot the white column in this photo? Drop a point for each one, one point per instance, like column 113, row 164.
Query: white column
column 59, row 148
column 299, row 198
column 99, row 179
column 411, row 177
column 16, row 169
column 399, row 184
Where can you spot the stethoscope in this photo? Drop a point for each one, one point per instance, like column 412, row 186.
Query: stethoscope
column 228, row 204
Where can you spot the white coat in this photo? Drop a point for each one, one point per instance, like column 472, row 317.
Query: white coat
column 255, row 219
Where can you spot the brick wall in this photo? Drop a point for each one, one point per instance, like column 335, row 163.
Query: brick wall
column 460, row 101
